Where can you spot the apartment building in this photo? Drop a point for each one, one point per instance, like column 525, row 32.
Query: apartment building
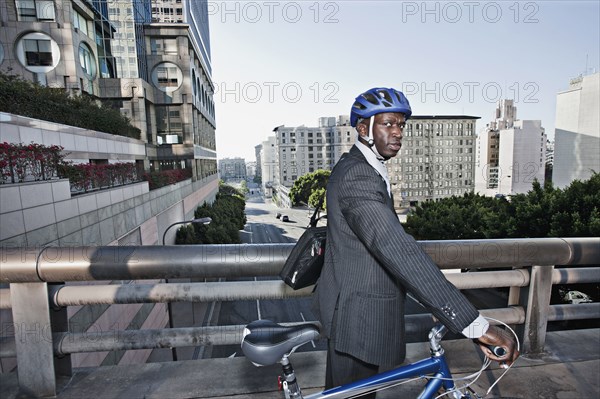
column 232, row 168
column 436, row 160
column 302, row 150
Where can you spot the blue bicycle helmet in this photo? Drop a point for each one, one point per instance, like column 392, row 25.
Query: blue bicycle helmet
column 378, row 100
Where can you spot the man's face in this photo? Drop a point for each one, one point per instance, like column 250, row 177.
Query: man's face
column 387, row 132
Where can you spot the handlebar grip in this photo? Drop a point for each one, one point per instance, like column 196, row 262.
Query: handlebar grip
column 496, row 350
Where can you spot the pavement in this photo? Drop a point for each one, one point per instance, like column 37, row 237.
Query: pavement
column 570, row 368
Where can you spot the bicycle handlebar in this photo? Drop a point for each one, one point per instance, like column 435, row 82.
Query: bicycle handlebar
column 496, row 350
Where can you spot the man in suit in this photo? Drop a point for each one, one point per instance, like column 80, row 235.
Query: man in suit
column 371, row 263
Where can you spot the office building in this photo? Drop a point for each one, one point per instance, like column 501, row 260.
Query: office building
column 577, row 131
column 128, row 44
column 159, row 76
column 57, row 43
column 511, row 153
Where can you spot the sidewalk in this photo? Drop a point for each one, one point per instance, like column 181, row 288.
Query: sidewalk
column 569, row 369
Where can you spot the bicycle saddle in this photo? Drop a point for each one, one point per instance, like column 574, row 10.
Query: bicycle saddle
column 265, row 342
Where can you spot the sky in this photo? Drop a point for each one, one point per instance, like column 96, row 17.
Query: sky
column 290, row 62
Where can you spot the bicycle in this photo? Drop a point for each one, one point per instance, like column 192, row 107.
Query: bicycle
column 265, row 343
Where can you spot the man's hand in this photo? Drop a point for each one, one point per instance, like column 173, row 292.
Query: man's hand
column 497, row 337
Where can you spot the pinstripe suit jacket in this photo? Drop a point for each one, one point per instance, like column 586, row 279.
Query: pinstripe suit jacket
column 370, row 263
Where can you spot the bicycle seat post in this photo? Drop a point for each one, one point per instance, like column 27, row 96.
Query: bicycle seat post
column 290, row 385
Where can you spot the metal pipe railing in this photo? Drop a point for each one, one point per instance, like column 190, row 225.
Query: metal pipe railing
column 576, row 275
column 238, row 290
column 30, row 270
column 175, row 292
column 69, row 343
column 5, row 298
column 58, row 264
column 202, row 292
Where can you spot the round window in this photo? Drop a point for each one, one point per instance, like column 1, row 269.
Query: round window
column 167, row 77
column 38, row 52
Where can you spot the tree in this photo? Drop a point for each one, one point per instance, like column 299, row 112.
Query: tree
column 244, row 187
column 471, row 216
column 186, row 235
column 228, row 218
column 305, row 185
column 531, row 211
column 226, row 189
column 544, row 211
column 316, row 197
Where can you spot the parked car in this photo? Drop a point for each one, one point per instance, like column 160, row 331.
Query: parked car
column 285, row 218
column 278, row 215
column 576, row 297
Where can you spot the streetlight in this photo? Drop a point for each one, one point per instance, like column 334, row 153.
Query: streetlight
column 204, row 221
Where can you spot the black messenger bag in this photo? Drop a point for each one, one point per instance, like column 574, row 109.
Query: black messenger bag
column 303, row 267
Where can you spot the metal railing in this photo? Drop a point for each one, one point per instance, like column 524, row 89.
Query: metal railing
column 37, row 277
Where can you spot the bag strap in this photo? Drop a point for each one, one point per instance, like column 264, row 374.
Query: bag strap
column 313, row 218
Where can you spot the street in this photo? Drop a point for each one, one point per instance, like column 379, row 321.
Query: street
column 263, row 227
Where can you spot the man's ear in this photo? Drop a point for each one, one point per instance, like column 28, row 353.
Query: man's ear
column 362, row 129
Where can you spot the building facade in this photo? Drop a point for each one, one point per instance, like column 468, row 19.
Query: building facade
column 128, row 42
column 257, row 154
column 577, row 131
column 511, row 153
column 232, row 168
column 157, row 74
column 57, row 43
column 302, row 150
column 436, row 160
column 250, row 169
column 269, row 165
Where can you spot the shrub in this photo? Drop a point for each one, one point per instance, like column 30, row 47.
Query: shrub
column 35, row 161
column 228, row 218
column 21, row 97
column 87, row 176
column 165, row 177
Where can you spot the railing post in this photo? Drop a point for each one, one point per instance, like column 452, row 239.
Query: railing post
column 59, row 319
column 33, row 339
column 533, row 334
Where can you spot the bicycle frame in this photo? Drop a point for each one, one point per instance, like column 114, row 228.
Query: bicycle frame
column 264, row 342
column 435, row 366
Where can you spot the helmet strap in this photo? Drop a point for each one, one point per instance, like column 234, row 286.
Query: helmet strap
column 370, row 140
